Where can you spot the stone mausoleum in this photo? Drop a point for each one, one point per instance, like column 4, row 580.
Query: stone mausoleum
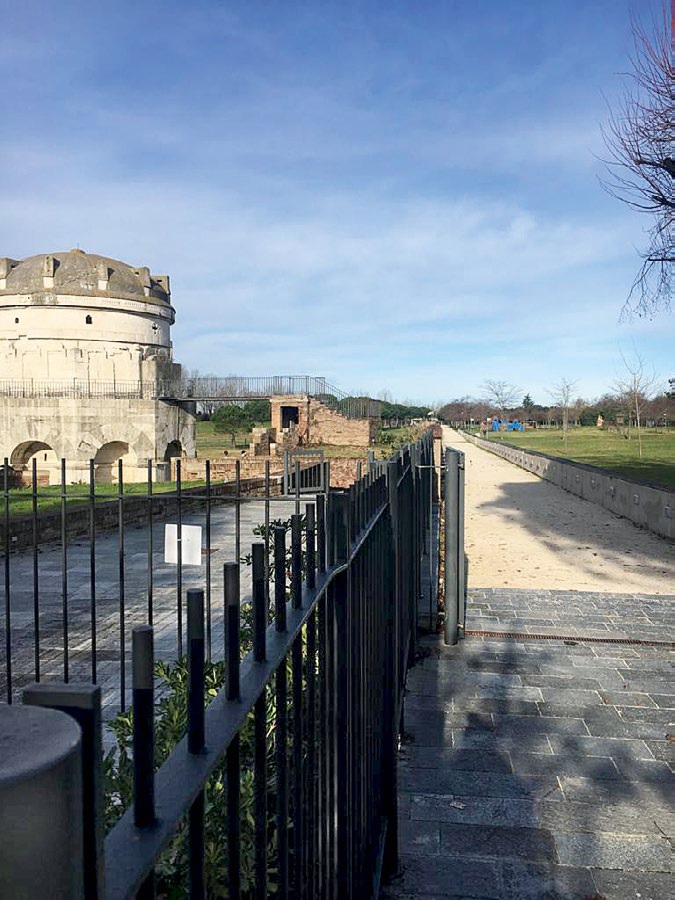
column 85, row 362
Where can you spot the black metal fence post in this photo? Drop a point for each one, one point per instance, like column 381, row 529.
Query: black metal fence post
column 143, row 698
column 196, row 735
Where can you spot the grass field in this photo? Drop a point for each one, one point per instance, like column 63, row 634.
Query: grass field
column 608, row 450
column 49, row 498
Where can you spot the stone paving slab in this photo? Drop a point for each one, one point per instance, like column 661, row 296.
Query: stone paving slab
column 539, row 769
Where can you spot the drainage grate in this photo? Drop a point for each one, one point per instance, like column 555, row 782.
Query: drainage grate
column 577, row 639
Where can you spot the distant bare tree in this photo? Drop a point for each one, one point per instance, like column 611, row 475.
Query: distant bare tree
column 501, row 394
column 641, row 168
column 635, row 386
column 562, row 396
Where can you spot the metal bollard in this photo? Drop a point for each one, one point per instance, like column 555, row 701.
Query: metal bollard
column 455, row 577
column 41, row 841
column 451, row 499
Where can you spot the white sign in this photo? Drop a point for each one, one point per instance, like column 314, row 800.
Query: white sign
column 190, row 541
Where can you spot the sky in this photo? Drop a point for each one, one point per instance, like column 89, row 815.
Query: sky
column 402, row 197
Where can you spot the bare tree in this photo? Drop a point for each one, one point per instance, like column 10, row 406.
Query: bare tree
column 562, row 396
column 641, row 168
column 501, row 394
column 635, row 386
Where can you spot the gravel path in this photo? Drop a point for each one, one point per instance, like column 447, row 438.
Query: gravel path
column 523, row 532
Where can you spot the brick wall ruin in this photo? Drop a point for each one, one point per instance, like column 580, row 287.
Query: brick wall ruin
column 319, row 424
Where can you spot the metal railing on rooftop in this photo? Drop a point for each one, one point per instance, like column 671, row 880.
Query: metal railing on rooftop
column 207, row 389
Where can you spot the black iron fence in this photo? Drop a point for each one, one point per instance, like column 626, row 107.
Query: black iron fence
column 286, row 783
column 82, row 563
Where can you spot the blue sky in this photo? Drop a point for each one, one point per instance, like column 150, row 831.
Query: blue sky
column 400, row 196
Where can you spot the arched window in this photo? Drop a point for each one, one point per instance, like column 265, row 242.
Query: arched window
column 88, row 320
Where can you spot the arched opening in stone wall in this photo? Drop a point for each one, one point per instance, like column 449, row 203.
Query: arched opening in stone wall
column 46, row 461
column 107, row 459
column 173, row 449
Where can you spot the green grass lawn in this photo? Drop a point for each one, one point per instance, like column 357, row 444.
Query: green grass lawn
column 49, row 498
column 211, row 444
column 608, row 450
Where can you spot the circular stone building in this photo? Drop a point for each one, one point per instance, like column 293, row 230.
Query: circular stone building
column 86, row 369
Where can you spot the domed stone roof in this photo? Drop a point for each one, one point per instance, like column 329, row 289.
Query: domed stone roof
column 77, row 273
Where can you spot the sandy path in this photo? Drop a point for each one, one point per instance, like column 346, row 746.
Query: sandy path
column 524, row 532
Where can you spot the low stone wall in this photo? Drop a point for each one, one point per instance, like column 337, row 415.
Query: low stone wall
column 650, row 507
column 106, row 513
column 224, row 468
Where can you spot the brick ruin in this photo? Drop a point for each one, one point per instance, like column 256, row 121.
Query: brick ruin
column 296, row 421
column 316, row 423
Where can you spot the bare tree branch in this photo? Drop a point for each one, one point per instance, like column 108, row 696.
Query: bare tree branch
column 640, row 136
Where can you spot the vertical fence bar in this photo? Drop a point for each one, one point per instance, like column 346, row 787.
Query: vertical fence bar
column 281, row 758
column 281, row 716
column 321, row 531
column 8, row 608
column 231, row 585
column 64, row 573
column 36, row 570
column 150, row 547
column 297, row 752
column 267, row 529
column 196, row 734
column 312, row 829
column 297, row 487
column 310, row 546
column 179, row 559
column 391, row 666
column 237, row 513
column 260, row 723
column 121, row 581
column 280, row 577
column 296, row 561
column 143, row 699
column 209, row 636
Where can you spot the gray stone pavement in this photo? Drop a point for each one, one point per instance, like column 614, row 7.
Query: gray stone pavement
column 541, row 768
column 223, row 528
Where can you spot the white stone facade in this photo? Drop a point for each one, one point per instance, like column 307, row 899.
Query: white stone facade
column 85, row 353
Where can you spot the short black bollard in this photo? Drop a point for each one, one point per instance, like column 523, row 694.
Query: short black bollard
column 231, row 587
column 259, row 602
column 195, row 603
column 280, row 577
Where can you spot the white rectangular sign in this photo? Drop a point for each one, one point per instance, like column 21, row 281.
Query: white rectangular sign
column 191, row 544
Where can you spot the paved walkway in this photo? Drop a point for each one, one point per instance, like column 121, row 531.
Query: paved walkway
column 538, row 769
column 524, row 532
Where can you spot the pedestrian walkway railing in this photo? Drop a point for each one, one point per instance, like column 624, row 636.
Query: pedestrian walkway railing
column 296, row 755
column 212, row 389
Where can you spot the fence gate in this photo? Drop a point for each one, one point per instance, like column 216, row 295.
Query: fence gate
column 304, row 472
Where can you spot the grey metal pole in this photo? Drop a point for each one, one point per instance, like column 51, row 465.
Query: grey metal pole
column 461, row 559
column 41, row 852
column 451, row 499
